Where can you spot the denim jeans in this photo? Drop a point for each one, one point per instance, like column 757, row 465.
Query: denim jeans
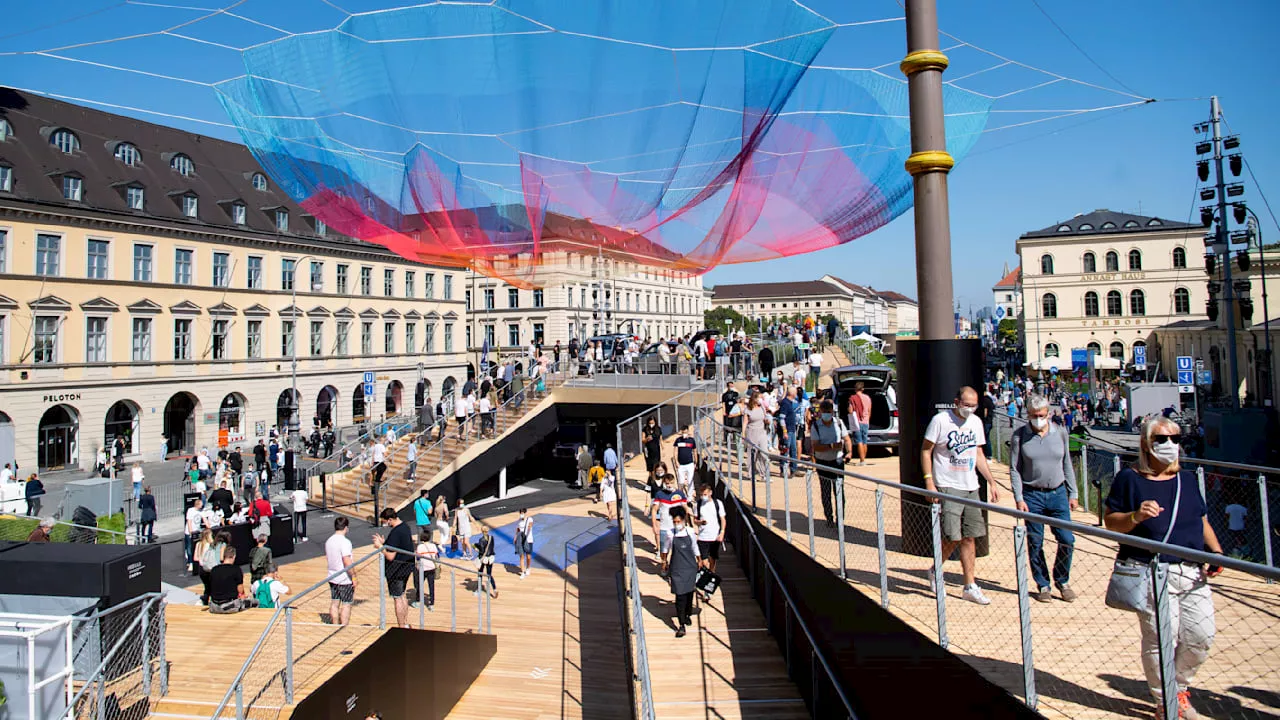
column 1054, row 504
column 790, row 450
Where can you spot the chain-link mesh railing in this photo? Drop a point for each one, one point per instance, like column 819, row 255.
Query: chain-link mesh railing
column 110, row 530
column 1076, row 658
column 315, row 631
column 119, row 659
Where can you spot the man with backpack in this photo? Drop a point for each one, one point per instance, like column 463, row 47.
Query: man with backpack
column 259, row 557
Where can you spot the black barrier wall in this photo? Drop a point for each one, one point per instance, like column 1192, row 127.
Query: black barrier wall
column 882, row 666
column 929, row 374
column 419, row 674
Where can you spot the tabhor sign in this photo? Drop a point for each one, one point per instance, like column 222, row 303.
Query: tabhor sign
column 1186, row 371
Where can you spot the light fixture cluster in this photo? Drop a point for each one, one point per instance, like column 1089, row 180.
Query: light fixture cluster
column 1219, row 240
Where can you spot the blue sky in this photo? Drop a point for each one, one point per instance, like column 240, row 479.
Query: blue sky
column 1015, row 180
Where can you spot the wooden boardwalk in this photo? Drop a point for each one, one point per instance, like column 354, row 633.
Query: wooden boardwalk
column 1086, row 655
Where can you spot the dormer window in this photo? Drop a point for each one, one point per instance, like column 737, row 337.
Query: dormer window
column 1085, row 226
column 1064, row 228
column 282, row 220
column 6, row 178
column 135, row 197
column 321, row 228
column 65, row 140
column 128, row 154
column 1154, row 223
column 1108, row 225
column 72, row 188
column 190, row 206
column 1131, row 223
column 6, row 130
column 183, row 165
column 239, row 213
column 259, row 182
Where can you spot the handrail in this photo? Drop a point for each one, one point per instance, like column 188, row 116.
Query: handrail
column 124, row 636
column 1151, row 546
column 1261, row 469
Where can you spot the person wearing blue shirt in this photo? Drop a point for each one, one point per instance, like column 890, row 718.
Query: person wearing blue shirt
column 610, row 459
column 787, row 409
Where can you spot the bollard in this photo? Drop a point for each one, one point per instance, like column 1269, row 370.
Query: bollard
column 880, row 547
column 1024, row 615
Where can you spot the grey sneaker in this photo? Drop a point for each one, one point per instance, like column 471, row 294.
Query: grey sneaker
column 1068, row 595
column 1043, row 595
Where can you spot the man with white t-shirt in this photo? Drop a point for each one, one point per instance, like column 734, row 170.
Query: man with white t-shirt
column 815, row 370
column 378, row 456
column 342, row 587
column 708, row 515
column 191, row 531
column 299, row 497
column 952, row 458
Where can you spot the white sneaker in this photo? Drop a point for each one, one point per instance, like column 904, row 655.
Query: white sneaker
column 933, row 579
column 973, row 594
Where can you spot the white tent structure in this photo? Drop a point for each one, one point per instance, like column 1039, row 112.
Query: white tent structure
column 874, row 341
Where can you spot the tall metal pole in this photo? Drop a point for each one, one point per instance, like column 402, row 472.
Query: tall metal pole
column 929, row 164
column 1223, row 240
column 1256, row 227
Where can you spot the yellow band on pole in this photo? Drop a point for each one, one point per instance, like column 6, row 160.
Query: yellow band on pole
column 923, row 60
column 929, row 161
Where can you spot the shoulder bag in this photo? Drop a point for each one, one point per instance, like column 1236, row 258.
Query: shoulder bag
column 1130, row 585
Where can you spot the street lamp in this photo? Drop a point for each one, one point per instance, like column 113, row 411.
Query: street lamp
column 293, row 369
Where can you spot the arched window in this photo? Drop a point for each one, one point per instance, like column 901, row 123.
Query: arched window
column 1091, row 304
column 1046, row 264
column 1179, row 257
column 1108, row 225
column 1094, row 348
column 1181, row 301
column 1131, row 223
column 1049, row 304
column 1051, row 350
column 1064, row 228
column 183, row 165
column 1154, row 223
column 65, row 140
column 1085, row 226
column 1113, row 261
column 1090, row 262
column 1114, row 303
column 1137, row 303
column 1117, row 350
column 1135, row 259
column 259, row 181
column 127, row 154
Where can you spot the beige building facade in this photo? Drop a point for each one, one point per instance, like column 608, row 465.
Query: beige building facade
column 884, row 312
column 1104, row 282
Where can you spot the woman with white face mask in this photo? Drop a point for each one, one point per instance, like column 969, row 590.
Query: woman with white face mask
column 1157, row 500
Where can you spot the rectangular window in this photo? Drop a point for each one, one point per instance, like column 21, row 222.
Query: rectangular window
column 409, row 282
column 448, row 287
column 448, row 337
column 221, row 269
column 6, row 178
column 537, row 332
column 388, row 282
column 182, row 260
column 141, row 339
column 253, row 339
column 287, row 268
column 182, row 339
column 48, row 254
column 190, row 205
column 429, row 342
column 469, row 343
column 491, row 335
column 286, row 338
column 344, row 329
column 388, row 337
column 342, row 279
column 282, row 220
column 488, row 299
column 366, row 281
column 72, row 188
column 136, row 197
column 220, row 328
column 513, row 335
column 321, row 228
column 239, row 214
column 95, row 339
column 569, row 293
column 366, row 338
column 46, row 349
column 467, row 301
column 537, row 298
column 431, row 286
column 4, row 251
column 582, row 297
column 96, row 266
column 317, row 338
column 254, row 278
column 410, row 337
column 513, row 298
column 317, row 276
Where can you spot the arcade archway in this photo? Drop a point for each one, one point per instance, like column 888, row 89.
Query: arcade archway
column 180, row 422
column 58, row 438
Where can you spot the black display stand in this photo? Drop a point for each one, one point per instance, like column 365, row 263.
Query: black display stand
column 929, row 374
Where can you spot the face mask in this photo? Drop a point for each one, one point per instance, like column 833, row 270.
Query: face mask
column 826, row 418
column 1039, row 423
column 1166, row 452
column 964, row 411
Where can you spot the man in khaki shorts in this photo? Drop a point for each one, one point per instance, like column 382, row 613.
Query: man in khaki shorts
column 952, row 457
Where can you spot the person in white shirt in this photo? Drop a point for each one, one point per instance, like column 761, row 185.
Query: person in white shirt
column 191, row 531
column 815, row 369
column 378, row 456
column 342, row 586
column 801, row 373
column 7, row 475
column 952, row 458
column 299, row 497
column 411, row 456
column 274, row 586
column 460, row 416
column 391, row 436
column 708, row 515
column 484, row 407
column 137, row 481
column 211, row 518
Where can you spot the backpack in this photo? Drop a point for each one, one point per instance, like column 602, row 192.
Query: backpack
column 212, row 557
column 263, row 593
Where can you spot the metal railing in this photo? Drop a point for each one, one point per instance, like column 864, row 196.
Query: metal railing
column 1079, row 657
column 132, row 670
column 294, row 653
column 18, row 529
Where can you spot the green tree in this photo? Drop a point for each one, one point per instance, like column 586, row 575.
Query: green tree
column 1007, row 331
column 714, row 319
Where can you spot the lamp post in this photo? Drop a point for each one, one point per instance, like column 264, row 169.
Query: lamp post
column 293, row 369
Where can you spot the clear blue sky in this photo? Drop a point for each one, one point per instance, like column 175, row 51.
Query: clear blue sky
column 1015, row 180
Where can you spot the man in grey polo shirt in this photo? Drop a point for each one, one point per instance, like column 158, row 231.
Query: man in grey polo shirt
column 1044, row 482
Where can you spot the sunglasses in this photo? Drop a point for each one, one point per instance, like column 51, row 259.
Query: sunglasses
column 1166, row 438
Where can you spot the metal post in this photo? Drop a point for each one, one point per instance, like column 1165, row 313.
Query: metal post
column 453, row 601
column 1165, row 636
column 838, row 486
column 741, row 439
column 768, row 488
column 1266, row 518
column 1200, row 480
column 939, row 591
column 786, row 503
column 808, row 499
column 1024, row 615
column 240, row 700
column 480, row 593
column 382, row 596
column 146, row 649
column 1223, row 241
column 928, row 165
column 1084, row 475
column 880, row 547
column 164, row 662
column 422, row 599
column 288, row 652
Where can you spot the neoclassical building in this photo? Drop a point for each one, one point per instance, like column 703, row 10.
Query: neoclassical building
column 155, row 282
column 1105, row 281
